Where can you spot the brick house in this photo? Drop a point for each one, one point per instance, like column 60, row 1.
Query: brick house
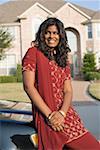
column 23, row 17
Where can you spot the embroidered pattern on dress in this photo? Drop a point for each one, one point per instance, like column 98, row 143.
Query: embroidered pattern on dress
column 58, row 75
column 57, row 83
column 73, row 125
column 28, row 67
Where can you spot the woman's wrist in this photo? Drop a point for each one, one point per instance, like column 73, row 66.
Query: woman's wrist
column 62, row 113
column 47, row 112
column 49, row 116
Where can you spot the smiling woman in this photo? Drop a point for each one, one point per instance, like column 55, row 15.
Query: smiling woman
column 47, row 82
column 52, row 36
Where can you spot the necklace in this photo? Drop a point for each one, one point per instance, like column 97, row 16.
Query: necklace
column 53, row 53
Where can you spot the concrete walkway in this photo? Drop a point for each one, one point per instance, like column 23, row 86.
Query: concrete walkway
column 80, row 91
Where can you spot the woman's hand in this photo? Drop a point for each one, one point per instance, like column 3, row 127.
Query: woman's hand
column 56, row 121
column 57, row 128
column 56, row 118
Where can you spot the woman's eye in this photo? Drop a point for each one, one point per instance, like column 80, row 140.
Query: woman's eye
column 56, row 33
column 47, row 32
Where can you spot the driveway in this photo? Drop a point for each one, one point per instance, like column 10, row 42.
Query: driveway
column 80, row 92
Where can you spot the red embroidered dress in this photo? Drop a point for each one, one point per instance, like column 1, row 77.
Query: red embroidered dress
column 34, row 59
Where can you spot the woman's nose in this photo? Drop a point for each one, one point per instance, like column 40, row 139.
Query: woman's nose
column 51, row 34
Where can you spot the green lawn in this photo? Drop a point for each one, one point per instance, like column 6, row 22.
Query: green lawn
column 13, row 92
column 94, row 90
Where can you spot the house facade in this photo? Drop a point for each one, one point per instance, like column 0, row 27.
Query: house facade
column 22, row 19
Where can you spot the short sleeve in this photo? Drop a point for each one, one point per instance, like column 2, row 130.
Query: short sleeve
column 29, row 60
column 68, row 72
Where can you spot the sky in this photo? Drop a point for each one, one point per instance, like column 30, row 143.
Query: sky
column 91, row 4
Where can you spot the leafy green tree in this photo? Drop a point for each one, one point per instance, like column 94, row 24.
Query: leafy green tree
column 89, row 64
column 5, row 41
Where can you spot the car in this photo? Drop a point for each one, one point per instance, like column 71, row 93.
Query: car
column 15, row 134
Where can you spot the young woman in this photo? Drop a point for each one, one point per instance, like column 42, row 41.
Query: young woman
column 47, row 82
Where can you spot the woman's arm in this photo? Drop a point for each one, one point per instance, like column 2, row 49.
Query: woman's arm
column 68, row 92
column 28, row 83
column 57, row 118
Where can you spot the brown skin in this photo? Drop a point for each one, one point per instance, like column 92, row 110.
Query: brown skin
column 56, row 120
column 52, row 36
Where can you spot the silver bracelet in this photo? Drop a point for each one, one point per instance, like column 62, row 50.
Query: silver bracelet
column 49, row 116
column 62, row 113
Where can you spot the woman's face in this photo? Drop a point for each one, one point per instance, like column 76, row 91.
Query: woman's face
column 52, row 37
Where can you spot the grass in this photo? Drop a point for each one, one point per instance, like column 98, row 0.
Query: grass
column 13, row 92
column 94, row 90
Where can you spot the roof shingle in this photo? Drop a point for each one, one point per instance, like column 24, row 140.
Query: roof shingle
column 96, row 16
column 11, row 10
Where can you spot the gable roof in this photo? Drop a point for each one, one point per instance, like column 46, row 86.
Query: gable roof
column 52, row 5
column 87, row 11
column 96, row 15
column 11, row 10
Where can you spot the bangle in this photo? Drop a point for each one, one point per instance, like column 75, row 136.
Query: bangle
column 62, row 113
column 49, row 116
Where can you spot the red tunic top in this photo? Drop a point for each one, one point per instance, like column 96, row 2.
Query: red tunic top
column 73, row 125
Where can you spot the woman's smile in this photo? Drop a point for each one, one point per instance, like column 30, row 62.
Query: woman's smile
column 52, row 36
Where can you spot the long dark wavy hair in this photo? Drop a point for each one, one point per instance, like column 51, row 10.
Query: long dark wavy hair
column 62, row 48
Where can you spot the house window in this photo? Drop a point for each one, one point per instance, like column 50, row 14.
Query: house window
column 90, row 31
column 98, row 30
column 72, row 40
column 8, row 65
column 11, row 30
column 35, row 26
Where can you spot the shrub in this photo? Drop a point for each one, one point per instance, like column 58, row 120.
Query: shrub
column 7, row 79
column 19, row 73
column 92, row 76
column 89, row 64
column 13, row 78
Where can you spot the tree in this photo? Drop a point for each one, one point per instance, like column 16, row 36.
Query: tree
column 5, row 41
column 89, row 64
column 89, row 67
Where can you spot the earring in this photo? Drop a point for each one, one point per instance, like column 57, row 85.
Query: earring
column 54, row 52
